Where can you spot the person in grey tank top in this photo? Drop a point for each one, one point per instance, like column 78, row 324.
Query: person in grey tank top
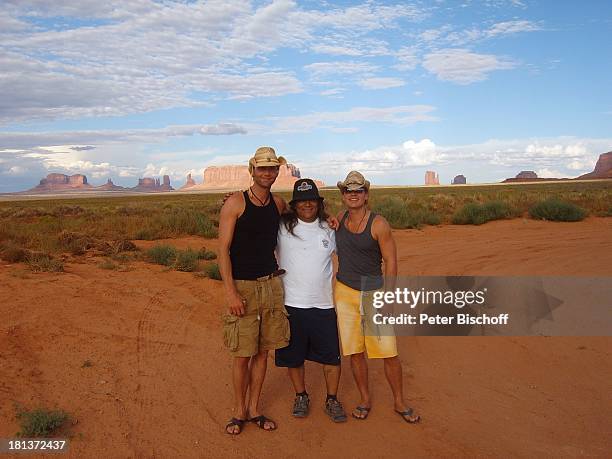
column 364, row 241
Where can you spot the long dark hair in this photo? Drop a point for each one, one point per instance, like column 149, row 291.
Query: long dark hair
column 290, row 218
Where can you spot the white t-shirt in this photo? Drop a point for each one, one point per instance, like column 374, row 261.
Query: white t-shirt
column 307, row 258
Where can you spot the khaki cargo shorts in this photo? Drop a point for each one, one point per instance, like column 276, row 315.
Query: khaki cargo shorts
column 264, row 325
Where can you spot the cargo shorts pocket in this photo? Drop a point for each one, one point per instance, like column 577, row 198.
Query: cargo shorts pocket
column 230, row 331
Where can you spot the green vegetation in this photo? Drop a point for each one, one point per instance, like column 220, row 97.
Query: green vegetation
column 106, row 225
column 40, row 422
column 555, row 209
column 162, row 254
column 477, row 214
column 186, row 260
column 44, row 262
column 212, row 271
column 204, row 254
column 405, row 213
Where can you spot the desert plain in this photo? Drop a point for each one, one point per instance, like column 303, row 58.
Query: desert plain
column 133, row 350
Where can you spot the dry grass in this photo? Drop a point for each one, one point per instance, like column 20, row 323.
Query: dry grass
column 108, row 224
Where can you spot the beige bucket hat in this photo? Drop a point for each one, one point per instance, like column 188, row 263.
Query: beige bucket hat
column 265, row 156
column 354, row 181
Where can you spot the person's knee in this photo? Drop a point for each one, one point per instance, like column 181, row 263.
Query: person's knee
column 241, row 363
column 358, row 358
column 261, row 355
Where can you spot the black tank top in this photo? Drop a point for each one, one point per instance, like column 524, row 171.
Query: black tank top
column 359, row 257
column 252, row 248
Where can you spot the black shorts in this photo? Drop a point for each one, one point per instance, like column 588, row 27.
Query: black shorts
column 314, row 336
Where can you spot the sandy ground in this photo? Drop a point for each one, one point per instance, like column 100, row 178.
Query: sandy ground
column 160, row 381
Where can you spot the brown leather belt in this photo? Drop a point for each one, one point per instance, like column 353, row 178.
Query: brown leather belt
column 278, row 272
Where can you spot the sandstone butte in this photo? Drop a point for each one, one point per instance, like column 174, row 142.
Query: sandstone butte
column 603, row 168
column 238, row 177
column 459, row 180
column 78, row 182
column 431, row 178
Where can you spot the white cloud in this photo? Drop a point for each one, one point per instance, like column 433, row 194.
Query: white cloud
column 403, row 115
column 381, row 83
column 462, row 66
column 549, row 173
column 22, row 140
column 325, row 69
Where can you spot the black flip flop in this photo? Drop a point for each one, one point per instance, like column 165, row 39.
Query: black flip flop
column 235, row 422
column 362, row 409
column 260, row 421
column 406, row 413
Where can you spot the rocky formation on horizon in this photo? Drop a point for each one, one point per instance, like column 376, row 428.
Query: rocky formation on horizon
column 150, row 184
column 110, row 186
column 61, row 182
column 603, row 168
column 459, row 180
column 238, row 177
column 189, row 182
column 431, row 178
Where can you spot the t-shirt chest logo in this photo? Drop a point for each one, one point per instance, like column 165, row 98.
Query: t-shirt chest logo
column 325, row 243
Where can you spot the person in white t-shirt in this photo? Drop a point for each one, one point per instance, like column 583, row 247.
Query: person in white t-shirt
column 304, row 249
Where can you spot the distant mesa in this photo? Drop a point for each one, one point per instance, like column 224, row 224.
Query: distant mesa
column 459, row 180
column 603, row 168
column 528, row 176
column 238, row 177
column 61, row 182
column 110, row 186
column 189, row 182
column 149, row 184
column 431, row 178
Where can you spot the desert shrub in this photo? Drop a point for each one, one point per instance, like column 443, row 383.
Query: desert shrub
column 556, row 210
column 40, row 422
column 477, row 214
column 75, row 243
column 162, row 254
column 400, row 216
column 204, row 254
column 212, row 271
column 186, row 260
column 108, row 264
column 68, row 210
column 43, row 262
column 12, row 253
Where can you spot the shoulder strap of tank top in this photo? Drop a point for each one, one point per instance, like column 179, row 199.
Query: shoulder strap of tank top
column 343, row 217
column 247, row 200
column 369, row 224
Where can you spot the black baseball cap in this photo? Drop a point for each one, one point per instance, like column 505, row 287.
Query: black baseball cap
column 305, row 190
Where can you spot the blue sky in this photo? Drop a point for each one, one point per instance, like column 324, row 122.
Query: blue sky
column 133, row 88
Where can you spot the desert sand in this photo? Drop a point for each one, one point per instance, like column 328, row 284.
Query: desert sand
column 159, row 385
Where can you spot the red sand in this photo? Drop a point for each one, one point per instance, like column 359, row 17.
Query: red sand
column 160, row 381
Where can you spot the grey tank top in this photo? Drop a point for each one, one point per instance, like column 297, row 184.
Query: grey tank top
column 359, row 257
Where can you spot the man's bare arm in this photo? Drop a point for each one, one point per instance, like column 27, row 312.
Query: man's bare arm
column 381, row 231
column 230, row 212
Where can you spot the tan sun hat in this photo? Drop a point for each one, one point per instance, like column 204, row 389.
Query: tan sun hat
column 354, row 181
column 265, row 156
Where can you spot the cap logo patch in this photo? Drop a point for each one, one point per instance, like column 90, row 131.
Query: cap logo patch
column 304, row 186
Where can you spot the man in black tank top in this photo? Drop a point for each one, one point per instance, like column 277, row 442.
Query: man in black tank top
column 256, row 319
column 364, row 240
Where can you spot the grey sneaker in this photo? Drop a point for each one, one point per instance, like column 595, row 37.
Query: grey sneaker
column 335, row 410
column 300, row 406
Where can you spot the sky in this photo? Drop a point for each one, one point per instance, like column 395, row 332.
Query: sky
column 124, row 89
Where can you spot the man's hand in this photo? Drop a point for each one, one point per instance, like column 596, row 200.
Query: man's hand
column 227, row 196
column 236, row 304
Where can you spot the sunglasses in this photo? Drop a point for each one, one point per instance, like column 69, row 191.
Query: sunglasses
column 359, row 191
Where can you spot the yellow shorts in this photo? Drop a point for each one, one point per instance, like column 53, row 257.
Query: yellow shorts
column 264, row 325
column 351, row 327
